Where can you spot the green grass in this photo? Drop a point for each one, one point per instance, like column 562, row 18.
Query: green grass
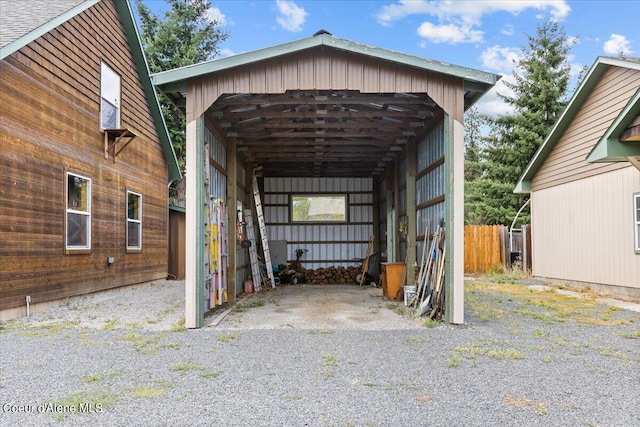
column 187, row 367
column 238, row 308
column 148, row 392
column 210, row 374
column 96, row 399
column 228, row 337
column 329, row 360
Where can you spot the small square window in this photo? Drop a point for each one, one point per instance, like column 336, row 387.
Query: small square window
column 134, row 221
column 78, row 218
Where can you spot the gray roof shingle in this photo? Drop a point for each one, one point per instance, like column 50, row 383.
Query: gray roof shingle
column 20, row 17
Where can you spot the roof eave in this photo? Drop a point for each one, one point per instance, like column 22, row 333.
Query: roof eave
column 609, row 148
column 216, row 65
column 126, row 14
column 590, row 81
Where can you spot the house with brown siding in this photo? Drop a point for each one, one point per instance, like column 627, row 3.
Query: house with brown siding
column 85, row 156
column 584, row 183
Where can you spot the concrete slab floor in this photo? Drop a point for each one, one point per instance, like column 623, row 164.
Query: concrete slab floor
column 319, row 307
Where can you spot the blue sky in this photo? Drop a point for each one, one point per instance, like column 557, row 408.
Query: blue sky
column 485, row 35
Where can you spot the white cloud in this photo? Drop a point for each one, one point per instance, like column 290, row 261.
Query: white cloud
column 616, row 45
column 291, row 16
column 459, row 20
column 226, row 52
column 508, row 30
column 213, row 14
column 491, row 104
column 449, row 33
column 498, row 58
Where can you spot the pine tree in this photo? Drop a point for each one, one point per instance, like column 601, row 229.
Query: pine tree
column 540, row 92
column 186, row 35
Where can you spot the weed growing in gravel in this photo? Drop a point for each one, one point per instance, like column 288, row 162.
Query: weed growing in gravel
column 329, row 360
column 397, row 307
column 47, row 329
column 239, row 308
column 488, row 349
column 208, row 375
column 84, row 401
column 99, row 377
column 147, row 392
column 109, row 325
column 375, row 309
column 632, row 335
column 178, row 326
column 187, row 367
column 454, row 361
column 369, row 384
column 431, row 323
column 324, row 331
column 228, row 337
column 547, row 306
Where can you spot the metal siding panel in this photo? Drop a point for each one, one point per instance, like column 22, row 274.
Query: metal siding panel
column 338, row 73
column 371, row 75
column 355, row 74
column 322, row 73
column 274, row 80
column 387, row 79
column 306, row 70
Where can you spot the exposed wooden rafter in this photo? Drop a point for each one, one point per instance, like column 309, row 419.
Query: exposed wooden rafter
column 323, row 132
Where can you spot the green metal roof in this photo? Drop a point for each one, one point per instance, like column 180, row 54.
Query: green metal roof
column 476, row 82
column 592, row 78
column 30, row 29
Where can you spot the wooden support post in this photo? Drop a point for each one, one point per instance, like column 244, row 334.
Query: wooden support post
column 410, row 195
column 194, row 239
column 376, row 215
column 391, row 251
column 232, row 200
column 396, row 209
column 454, row 219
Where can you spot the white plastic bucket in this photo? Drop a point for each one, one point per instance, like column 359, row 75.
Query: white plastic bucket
column 409, row 293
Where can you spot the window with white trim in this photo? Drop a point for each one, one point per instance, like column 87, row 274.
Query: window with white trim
column 319, row 208
column 78, row 218
column 109, row 98
column 636, row 217
column 134, row 221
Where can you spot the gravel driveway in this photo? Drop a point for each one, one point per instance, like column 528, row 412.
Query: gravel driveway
column 524, row 358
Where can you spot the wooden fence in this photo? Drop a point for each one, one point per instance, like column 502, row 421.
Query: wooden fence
column 482, row 248
column 490, row 246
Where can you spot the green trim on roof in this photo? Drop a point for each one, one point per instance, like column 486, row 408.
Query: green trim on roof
column 126, row 15
column 43, row 29
column 592, row 78
column 609, row 148
column 486, row 80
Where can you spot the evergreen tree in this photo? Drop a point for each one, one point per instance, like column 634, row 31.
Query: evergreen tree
column 186, row 35
column 540, row 92
column 474, row 122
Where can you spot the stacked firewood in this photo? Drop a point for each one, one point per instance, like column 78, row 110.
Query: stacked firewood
column 332, row 275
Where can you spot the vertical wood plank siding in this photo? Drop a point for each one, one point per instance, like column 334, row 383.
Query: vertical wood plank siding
column 586, row 233
column 566, row 162
column 316, row 69
column 50, row 97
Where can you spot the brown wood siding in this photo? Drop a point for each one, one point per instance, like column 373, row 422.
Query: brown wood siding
column 50, row 124
column 324, row 69
column 566, row 162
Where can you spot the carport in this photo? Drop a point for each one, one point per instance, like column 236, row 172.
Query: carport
column 325, row 115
